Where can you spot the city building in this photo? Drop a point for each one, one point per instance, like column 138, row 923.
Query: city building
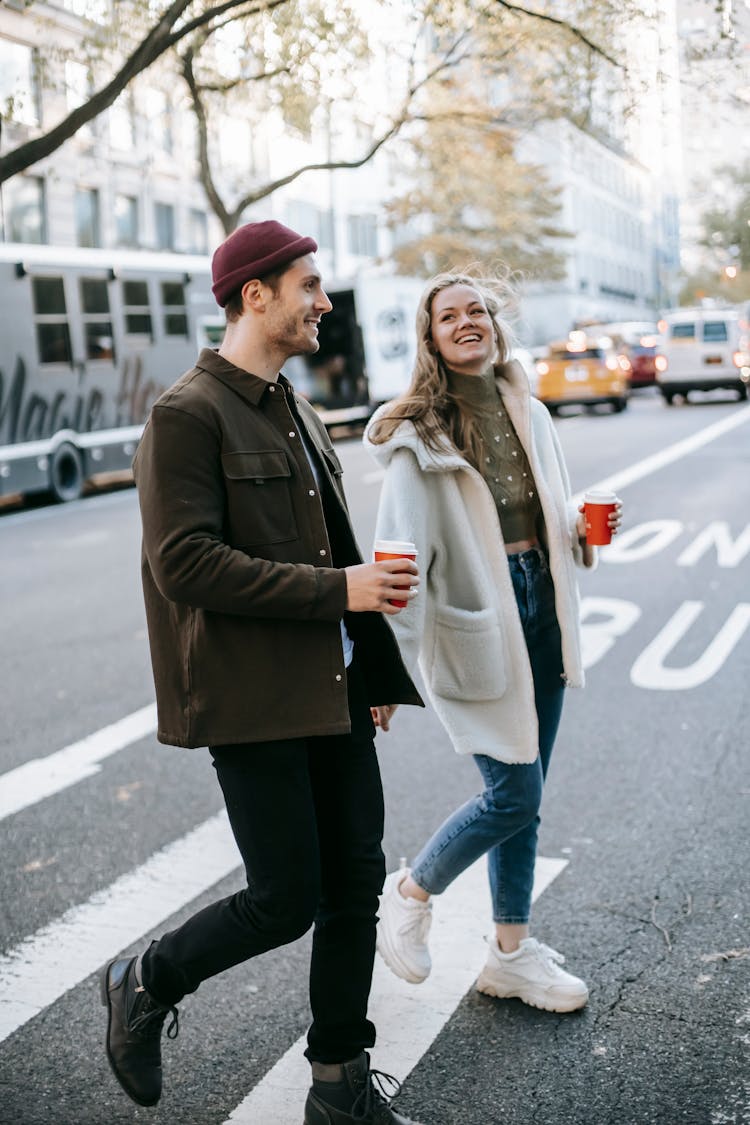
column 130, row 177
column 714, row 50
column 619, row 181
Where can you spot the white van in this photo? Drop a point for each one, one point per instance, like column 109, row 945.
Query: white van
column 702, row 349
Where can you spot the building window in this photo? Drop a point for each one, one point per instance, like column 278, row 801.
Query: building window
column 164, row 216
column 363, row 235
column 235, row 146
column 87, row 217
column 122, row 123
column 78, row 90
column 162, row 125
column 312, row 220
column 325, row 230
column 175, row 309
column 197, row 231
column 97, row 326
column 19, row 85
column 97, row 10
column 25, row 211
column 126, row 220
column 137, row 309
column 51, row 319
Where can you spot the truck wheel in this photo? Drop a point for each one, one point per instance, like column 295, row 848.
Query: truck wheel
column 619, row 404
column 742, row 392
column 66, row 473
column 668, row 397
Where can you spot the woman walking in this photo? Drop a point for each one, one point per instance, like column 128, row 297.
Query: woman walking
column 475, row 477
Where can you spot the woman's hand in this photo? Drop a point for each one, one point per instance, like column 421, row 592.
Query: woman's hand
column 381, row 716
column 614, row 520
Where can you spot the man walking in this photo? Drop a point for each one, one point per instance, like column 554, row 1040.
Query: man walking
column 269, row 646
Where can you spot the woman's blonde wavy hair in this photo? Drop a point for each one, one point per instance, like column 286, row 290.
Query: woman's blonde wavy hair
column 428, row 403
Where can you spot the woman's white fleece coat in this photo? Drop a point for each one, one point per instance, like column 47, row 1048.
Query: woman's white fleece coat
column 463, row 626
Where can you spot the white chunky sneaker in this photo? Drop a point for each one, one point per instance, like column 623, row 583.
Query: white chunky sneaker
column 532, row 974
column 403, row 930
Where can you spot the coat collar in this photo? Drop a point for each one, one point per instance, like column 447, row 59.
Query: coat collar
column 244, row 383
column 512, row 384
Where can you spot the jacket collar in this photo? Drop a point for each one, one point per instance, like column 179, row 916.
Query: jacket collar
column 513, row 385
column 249, row 386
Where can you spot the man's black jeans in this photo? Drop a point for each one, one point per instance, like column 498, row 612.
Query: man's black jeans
column 307, row 815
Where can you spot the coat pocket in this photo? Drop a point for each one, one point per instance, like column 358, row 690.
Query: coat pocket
column 468, row 661
column 260, row 508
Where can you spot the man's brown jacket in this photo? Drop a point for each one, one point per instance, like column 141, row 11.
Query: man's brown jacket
column 242, row 573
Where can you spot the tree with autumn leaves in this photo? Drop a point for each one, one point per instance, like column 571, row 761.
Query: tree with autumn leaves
column 473, row 77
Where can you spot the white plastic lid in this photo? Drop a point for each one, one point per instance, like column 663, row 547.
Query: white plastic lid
column 599, row 496
column 395, row 547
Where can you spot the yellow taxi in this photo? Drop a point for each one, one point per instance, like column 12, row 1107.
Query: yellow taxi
column 583, row 370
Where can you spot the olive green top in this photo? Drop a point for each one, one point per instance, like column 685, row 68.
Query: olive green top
column 504, row 465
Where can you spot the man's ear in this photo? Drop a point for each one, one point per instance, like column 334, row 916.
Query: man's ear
column 253, row 296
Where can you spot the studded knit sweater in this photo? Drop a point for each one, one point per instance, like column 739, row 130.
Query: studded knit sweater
column 464, row 627
column 504, row 465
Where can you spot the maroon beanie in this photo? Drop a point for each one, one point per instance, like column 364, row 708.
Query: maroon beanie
column 254, row 251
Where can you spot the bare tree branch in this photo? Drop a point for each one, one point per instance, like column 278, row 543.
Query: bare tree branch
column 229, row 218
column 321, row 166
column 206, row 18
column 565, row 24
column 209, row 186
column 227, row 87
column 159, row 39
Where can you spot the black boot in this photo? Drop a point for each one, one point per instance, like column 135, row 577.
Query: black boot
column 350, row 1092
column 134, row 1031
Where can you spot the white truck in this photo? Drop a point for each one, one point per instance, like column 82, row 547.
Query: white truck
column 367, row 348
column 703, row 349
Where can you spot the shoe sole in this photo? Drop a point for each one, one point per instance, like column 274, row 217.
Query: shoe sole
column 107, row 1002
column 395, row 964
column 533, row 999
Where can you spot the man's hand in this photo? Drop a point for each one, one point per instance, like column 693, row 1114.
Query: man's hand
column 381, row 716
column 371, row 586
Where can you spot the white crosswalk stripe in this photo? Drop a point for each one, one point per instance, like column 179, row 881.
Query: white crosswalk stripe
column 408, row 1017
column 59, row 956
column 43, row 777
column 46, row 965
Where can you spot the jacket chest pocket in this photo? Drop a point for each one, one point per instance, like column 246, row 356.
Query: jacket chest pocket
column 259, row 497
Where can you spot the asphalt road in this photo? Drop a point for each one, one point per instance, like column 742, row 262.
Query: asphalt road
column 647, row 801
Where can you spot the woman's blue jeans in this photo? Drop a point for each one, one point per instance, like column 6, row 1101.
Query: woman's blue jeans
column 503, row 820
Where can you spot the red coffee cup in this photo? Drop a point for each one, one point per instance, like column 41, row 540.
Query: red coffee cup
column 394, row 549
column 598, row 506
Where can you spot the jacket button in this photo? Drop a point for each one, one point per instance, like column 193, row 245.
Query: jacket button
column 311, row 492
column 292, row 433
column 338, row 679
column 271, row 389
column 322, row 552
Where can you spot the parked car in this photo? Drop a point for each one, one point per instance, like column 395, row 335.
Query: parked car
column 638, row 340
column 703, row 349
column 584, row 369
